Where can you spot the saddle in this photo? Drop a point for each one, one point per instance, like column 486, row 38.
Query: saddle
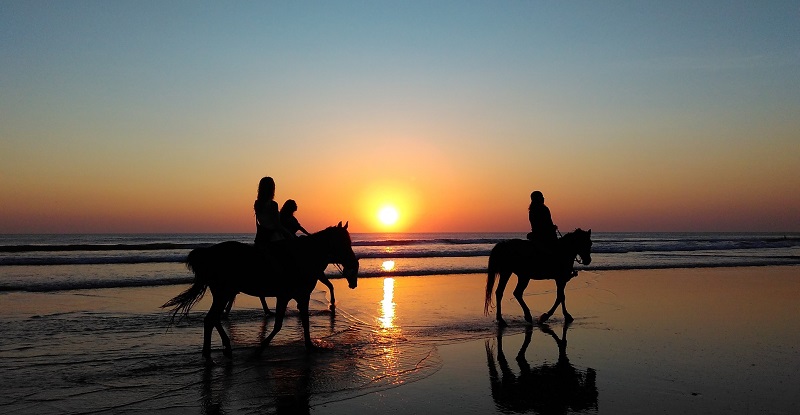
column 546, row 250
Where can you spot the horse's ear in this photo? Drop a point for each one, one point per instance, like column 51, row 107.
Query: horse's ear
column 339, row 225
column 346, row 224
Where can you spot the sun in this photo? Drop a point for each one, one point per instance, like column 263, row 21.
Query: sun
column 388, row 215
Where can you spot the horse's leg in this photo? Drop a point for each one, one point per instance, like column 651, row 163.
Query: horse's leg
column 567, row 316
column 323, row 279
column 498, row 294
column 560, row 297
column 228, row 307
column 302, row 305
column 227, row 351
column 522, row 283
column 280, row 312
column 267, row 311
column 211, row 321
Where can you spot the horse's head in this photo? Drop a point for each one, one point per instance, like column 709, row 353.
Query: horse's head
column 342, row 253
column 583, row 245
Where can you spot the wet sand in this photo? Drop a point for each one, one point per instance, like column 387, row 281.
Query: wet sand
column 710, row 341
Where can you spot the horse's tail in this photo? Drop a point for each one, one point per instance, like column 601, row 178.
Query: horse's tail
column 492, row 272
column 183, row 302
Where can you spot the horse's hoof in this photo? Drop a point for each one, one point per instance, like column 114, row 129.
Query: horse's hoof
column 501, row 323
column 207, row 354
column 332, row 307
column 227, row 353
column 544, row 317
column 568, row 318
column 529, row 319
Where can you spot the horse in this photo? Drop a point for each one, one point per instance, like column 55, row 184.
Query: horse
column 267, row 312
column 287, row 270
column 524, row 258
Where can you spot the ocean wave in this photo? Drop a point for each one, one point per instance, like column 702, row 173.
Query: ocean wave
column 50, row 286
column 98, row 247
column 92, row 260
column 602, row 243
column 434, row 241
column 156, row 256
column 689, row 245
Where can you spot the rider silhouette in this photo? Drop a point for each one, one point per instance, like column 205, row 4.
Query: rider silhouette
column 268, row 218
column 543, row 231
column 268, row 227
column 289, row 222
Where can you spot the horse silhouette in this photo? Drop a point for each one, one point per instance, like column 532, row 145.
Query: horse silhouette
column 268, row 313
column 524, row 258
column 288, row 271
column 557, row 388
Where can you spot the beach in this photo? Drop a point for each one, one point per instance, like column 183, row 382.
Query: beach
column 710, row 340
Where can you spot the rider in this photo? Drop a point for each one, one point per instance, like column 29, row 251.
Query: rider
column 289, row 222
column 268, row 218
column 543, row 231
column 268, row 226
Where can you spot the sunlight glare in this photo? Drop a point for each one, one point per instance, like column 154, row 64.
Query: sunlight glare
column 387, row 265
column 388, row 215
column 387, row 305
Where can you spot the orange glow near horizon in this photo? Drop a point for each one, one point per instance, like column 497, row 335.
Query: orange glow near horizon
column 389, row 208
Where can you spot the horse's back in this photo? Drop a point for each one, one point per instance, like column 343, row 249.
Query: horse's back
column 521, row 257
column 221, row 254
column 512, row 248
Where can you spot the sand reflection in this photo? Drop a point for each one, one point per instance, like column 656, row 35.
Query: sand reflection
column 558, row 388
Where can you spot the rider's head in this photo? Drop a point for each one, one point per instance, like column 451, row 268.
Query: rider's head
column 537, row 197
column 290, row 206
column 266, row 188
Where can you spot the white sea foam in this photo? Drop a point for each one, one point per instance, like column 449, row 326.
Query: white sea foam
column 64, row 262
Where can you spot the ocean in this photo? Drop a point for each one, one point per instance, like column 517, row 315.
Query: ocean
column 83, row 331
column 73, row 261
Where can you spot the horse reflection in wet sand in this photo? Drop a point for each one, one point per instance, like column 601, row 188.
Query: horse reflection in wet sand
column 521, row 257
column 288, row 271
column 546, row 389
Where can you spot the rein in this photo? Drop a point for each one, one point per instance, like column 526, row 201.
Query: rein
column 577, row 256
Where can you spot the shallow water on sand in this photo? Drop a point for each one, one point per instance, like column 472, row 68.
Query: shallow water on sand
column 113, row 350
column 669, row 341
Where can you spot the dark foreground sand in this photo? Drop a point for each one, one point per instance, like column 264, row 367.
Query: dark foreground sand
column 697, row 341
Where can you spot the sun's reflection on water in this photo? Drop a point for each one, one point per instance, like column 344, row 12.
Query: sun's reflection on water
column 387, row 266
column 387, row 304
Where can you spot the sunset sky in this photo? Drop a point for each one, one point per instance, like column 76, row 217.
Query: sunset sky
column 629, row 116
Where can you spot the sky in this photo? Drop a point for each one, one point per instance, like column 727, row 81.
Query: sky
column 154, row 116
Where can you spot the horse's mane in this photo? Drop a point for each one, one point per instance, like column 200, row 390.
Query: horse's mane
column 571, row 237
column 330, row 230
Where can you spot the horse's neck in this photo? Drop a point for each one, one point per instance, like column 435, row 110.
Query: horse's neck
column 315, row 244
column 566, row 244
